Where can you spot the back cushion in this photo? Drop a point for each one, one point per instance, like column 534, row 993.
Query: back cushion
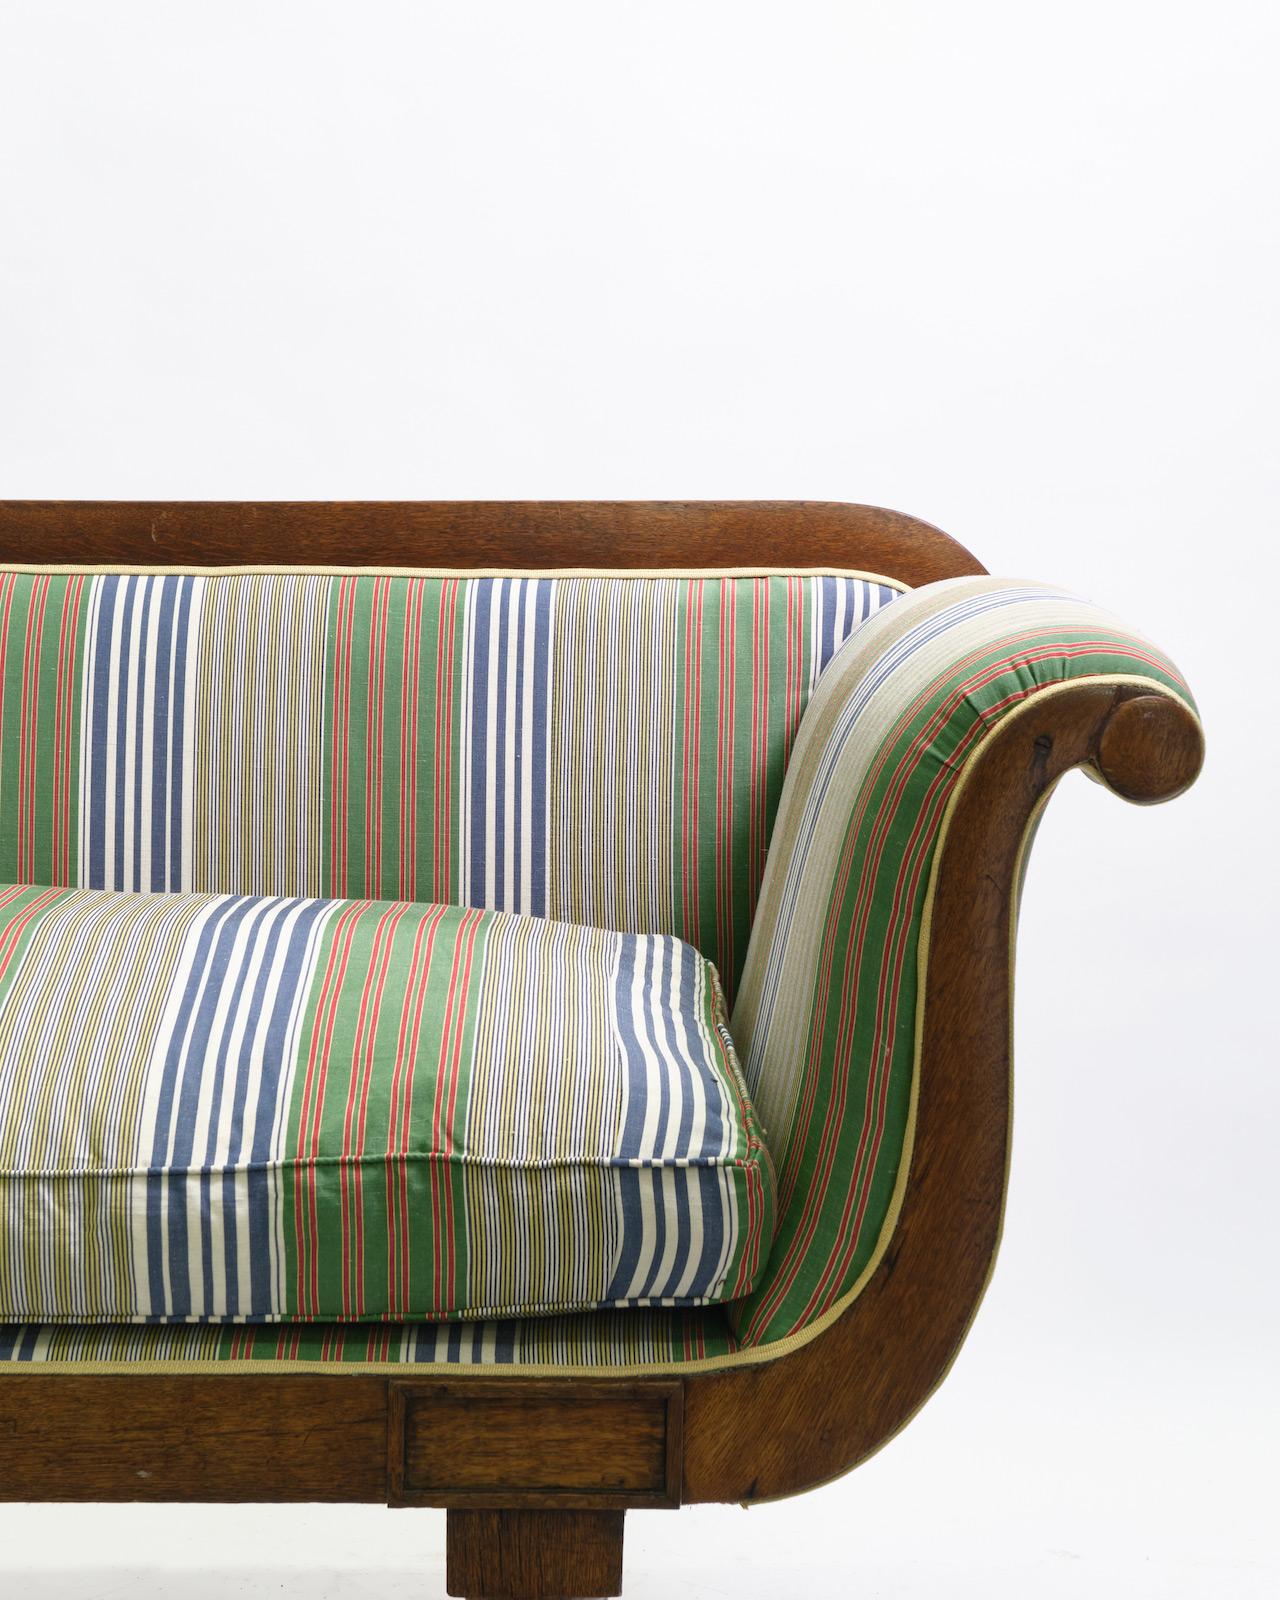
column 602, row 749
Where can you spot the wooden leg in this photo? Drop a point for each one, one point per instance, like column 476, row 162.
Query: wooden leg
column 535, row 1555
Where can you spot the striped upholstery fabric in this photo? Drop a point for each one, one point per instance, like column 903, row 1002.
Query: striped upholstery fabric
column 826, row 1012
column 825, row 1019
column 608, row 750
column 226, row 1107
column 602, row 1340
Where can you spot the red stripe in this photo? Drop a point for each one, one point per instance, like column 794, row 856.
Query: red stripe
column 687, row 820
column 692, row 833
column 442, row 885
column 401, row 1106
column 67, row 665
column 341, row 775
column 409, row 740
column 335, row 757
column 375, row 722
column 372, row 732
column 759, row 765
column 29, row 729
column 12, row 931
column 355, row 1116
column 311, row 1109
column 59, row 740
column 372, row 729
column 749, row 1264
column 724, row 777
column 795, row 662
column 445, row 1107
column 8, row 582
column 348, row 655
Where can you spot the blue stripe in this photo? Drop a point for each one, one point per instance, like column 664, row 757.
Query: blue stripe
column 632, row 1226
column 127, row 609
column 139, row 687
column 186, row 591
column 502, row 589
column 629, row 1137
column 517, row 752
column 161, row 775
column 217, row 978
column 826, row 640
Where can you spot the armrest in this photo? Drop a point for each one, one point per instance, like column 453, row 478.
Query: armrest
column 828, row 1017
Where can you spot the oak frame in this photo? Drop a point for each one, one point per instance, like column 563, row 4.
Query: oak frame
column 747, row 1433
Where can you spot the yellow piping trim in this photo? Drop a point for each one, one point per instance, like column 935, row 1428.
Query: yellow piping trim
column 754, row 1355
column 159, row 570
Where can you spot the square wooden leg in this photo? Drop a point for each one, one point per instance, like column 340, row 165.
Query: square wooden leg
column 535, row 1555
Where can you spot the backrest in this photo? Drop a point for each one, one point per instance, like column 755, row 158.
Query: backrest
column 605, row 746
column 603, row 749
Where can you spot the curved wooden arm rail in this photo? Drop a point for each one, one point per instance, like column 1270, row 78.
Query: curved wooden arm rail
column 744, row 1433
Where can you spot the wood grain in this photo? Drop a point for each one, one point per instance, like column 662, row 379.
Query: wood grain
column 559, row 1443
column 1149, row 750
column 496, row 533
column 224, row 1437
column 534, row 1555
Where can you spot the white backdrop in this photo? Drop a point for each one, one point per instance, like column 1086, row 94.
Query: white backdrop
column 1010, row 267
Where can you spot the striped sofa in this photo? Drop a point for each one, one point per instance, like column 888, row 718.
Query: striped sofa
column 410, row 970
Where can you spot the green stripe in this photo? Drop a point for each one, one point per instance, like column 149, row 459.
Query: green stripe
column 14, row 791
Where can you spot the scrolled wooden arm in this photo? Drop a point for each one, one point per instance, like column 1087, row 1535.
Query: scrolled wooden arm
column 770, row 1430
column 1150, row 749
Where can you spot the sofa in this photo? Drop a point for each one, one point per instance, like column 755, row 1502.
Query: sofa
column 506, row 1007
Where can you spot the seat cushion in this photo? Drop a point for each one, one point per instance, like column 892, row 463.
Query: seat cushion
column 242, row 1108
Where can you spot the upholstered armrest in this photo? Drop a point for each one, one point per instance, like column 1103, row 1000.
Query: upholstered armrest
column 828, row 1017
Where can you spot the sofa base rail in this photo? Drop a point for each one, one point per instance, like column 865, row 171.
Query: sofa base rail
column 481, row 1445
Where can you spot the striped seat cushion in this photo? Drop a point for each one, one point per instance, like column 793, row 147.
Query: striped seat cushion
column 247, row 1108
